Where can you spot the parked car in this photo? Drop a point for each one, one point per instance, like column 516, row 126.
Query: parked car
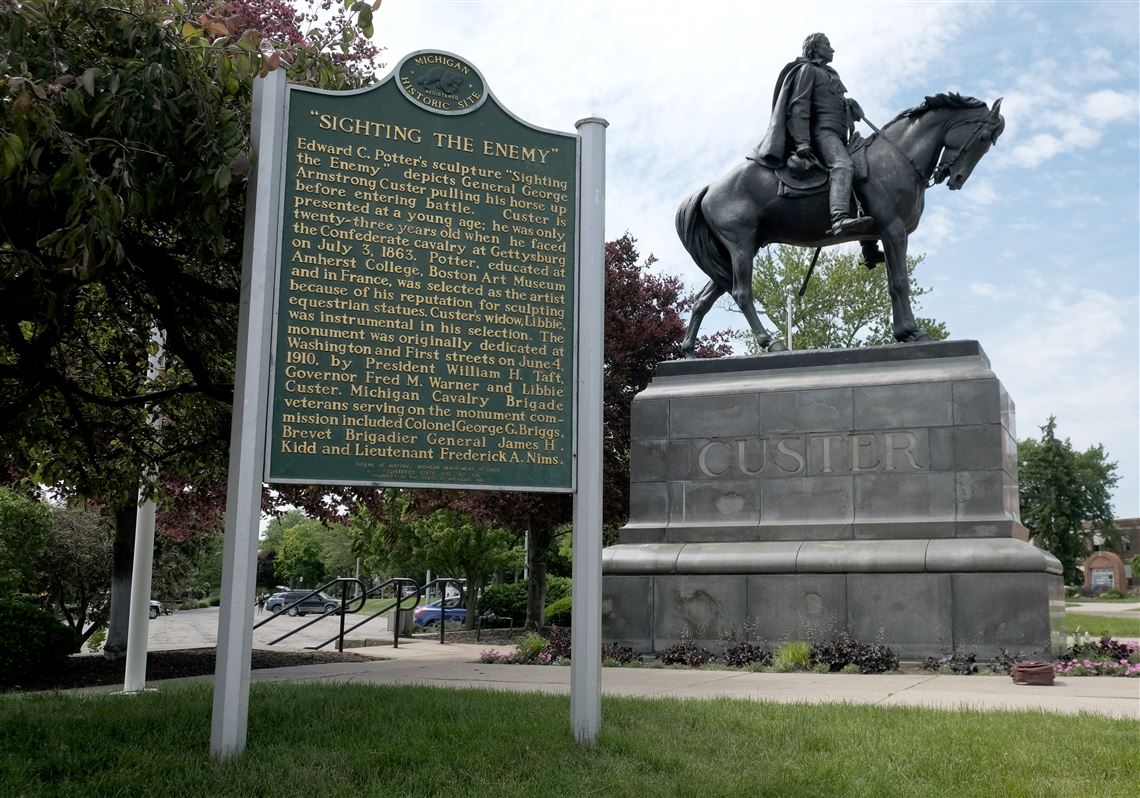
column 428, row 614
column 156, row 609
column 318, row 602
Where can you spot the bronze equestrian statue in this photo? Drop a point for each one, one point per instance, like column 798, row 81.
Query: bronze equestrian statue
column 781, row 193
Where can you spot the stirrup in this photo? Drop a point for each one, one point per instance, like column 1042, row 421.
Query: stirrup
column 851, row 226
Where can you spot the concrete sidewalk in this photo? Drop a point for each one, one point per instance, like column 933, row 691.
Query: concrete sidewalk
column 426, row 662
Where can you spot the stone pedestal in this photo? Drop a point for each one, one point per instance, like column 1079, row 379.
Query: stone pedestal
column 802, row 494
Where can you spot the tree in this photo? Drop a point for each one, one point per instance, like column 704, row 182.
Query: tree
column 24, row 527
column 454, row 545
column 75, row 567
column 299, row 562
column 1065, row 496
column 844, row 305
column 122, row 180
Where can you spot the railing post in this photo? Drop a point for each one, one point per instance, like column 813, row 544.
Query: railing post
column 343, row 607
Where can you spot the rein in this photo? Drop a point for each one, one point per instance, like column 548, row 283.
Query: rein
column 932, row 181
column 929, row 181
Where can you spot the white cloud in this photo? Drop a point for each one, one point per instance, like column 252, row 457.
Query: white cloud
column 983, row 289
column 1040, row 148
column 980, row 192
column 1107, row 106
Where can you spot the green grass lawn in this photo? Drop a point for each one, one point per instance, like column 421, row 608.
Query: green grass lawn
column 377, row 605
column 330, row 740
column 1124, row 625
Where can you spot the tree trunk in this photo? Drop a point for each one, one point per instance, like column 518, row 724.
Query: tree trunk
column 122, row 565
column 537, row 559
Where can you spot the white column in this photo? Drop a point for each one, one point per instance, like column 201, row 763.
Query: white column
column 138, row 622
column 247, row 432
column 586, row 612
column 789, row 322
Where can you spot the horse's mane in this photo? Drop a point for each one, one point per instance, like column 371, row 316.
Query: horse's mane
column 951, row 100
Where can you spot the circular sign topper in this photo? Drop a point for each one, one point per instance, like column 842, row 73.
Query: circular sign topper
column 441, row 82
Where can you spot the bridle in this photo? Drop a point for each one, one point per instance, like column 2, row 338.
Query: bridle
column 943, row 170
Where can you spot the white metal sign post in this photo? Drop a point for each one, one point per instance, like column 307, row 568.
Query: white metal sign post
column 247, row 435
column 586, row 610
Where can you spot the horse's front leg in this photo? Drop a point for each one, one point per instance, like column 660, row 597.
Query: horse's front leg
column 742, row 295
column 701, row 306
column 903, row 325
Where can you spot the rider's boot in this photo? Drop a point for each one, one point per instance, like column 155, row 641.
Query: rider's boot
column 839, row 196
column 872, row 255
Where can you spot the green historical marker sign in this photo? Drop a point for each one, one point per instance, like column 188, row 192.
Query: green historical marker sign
column 426, row 291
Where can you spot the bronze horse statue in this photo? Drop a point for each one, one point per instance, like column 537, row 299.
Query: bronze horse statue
column 724, row 224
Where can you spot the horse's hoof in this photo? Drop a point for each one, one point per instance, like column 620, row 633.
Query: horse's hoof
column 777, row 346
column 916, row 337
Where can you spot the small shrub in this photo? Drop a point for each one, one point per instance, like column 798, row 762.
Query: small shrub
column 530, row 647
column 685, row 653
column 559, row 639
column 851, row 668
column 744, row 654
column 619, row 655
column 506, row 600
column 1072, row 591
column 794, row 655
column 31, row 641
column 958, row 663
column 1003, row 663
column 214, row 601
column 1112, row 593
column 845, row 650
column 557, row 587
column 96, row 639
column 558, row 613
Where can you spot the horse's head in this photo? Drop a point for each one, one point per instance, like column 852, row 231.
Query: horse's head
column 968, row 138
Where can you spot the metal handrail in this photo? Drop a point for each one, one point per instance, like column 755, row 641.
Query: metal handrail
column 397, row 580
column 443, row 599
column 343, row 608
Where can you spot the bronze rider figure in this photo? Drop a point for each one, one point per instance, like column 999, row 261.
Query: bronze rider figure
column 812, row 118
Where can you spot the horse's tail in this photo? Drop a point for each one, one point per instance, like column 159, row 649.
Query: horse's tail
column 707, row 252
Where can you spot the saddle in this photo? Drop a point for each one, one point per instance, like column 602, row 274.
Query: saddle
column 800, row 177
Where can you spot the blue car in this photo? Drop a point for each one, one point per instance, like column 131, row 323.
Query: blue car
column 428, row 614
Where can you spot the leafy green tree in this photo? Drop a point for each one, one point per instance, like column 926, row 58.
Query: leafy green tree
column 338, row 550
column 845, row 305
column 124, row 150
column 24, row 527
column 75, row 567
column 1065, row 496
column 453, row 544
column 299, row 562
column 274, row 537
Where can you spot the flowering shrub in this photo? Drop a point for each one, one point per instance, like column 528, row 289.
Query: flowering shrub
column 1088, row 667
column 1104, row 657
column 493, row 657
column 530, row 646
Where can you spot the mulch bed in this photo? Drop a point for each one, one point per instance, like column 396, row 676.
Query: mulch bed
column 85, row 670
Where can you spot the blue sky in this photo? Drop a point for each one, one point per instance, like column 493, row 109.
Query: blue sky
column 1038, row 257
